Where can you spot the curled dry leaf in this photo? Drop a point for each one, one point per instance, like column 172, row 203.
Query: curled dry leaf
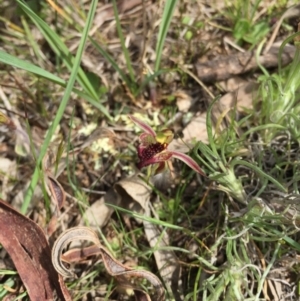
column 126, row 277
column 53, row 187
column 28, row 248
column 55, row 191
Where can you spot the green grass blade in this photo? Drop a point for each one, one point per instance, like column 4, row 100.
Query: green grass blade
column 209, row 127
column 9, row 59
column 62, row 107
column 150, row 78
column 163, row 29
column 111, row 60
column 59, row 48
column 260, row 172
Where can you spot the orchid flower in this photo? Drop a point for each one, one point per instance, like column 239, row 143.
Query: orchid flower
column 153, row 149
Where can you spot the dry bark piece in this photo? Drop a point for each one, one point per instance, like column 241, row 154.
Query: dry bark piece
column 127, row 277
column 28, row 248
column 225, row 67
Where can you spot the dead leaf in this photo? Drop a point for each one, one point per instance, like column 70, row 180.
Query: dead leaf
column 241, row 97
column 134, row 193
column 98, row 214
column 55, row 191
column 52, row 186
column 125, row 276
column 183, row 101
column 28, row 248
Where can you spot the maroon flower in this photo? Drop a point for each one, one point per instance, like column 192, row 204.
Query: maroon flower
column 153, row 149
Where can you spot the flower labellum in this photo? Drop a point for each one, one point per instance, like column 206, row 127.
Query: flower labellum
column 153, row 149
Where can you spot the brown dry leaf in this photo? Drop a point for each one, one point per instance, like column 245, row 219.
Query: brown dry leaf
column 98, row 214
column 55, row 191
column 126, row 277
column 79, row 254
column 134, row 193
column 196, row 129
column 28, row 248
column 241, row 97
column 53, row 187
column 183, row 101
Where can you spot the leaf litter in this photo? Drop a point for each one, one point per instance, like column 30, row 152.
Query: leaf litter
column 130, row 193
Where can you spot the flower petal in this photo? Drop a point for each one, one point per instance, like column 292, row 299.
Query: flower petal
column 188, row 161
column 164, row 136
column 144, row 126
column 158, row 158
column 147, row 139
column 140, row 149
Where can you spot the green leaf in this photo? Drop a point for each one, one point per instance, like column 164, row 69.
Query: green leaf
column 163, row 29
column 76, row 66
